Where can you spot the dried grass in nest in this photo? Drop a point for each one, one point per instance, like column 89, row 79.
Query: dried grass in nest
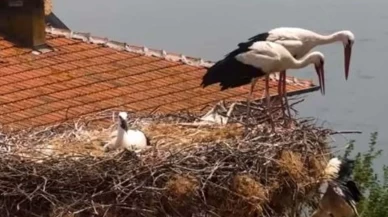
column 177, row 136
column 237, row 169
column 180, row 186
column 248, row 199
column 292, row 163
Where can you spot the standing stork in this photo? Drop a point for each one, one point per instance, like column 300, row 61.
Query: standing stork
column 248, row 63
column 299, row 42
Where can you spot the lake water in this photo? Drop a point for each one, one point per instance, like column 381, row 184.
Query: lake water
column 211, row 28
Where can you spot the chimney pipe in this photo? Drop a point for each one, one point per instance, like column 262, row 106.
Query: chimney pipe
column 23, row 21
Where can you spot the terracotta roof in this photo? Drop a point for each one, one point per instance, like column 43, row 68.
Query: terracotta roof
column 86, row 74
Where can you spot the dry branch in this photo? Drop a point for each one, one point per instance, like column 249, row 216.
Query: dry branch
column 239, row 169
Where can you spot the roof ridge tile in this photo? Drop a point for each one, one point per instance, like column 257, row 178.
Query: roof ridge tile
column 122, row 46
column 142, row 50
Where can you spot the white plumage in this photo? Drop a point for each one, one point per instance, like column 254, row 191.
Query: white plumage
column 248, row 63
column 332, row 169
column 272, row 57
column 126, row 138
column 299, row 42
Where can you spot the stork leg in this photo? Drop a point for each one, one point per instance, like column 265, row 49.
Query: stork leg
column 253, row 83
column 280, row 92
column 268, row 102
column 284, row 92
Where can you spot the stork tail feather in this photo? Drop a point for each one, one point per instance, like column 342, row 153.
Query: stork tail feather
column 332, row 169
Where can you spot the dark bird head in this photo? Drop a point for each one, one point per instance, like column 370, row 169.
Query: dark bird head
column 123, row 121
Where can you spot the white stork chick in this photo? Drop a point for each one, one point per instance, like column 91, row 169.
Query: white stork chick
column 127, row 138
column 299, row 42
column 248, row 63
column 340, row 193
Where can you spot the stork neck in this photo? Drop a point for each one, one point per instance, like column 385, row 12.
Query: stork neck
column 328, row 39
column 122, row 127
column 304, row 61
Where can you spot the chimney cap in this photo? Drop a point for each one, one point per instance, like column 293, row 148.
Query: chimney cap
column 48, row 7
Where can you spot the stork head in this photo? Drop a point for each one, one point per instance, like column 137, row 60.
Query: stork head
column 123, row 121
column 347, row 38
column 319, row 61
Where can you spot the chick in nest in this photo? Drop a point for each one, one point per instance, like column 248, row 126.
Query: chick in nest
column 127, row 138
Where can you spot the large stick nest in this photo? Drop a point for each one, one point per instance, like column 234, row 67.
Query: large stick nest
column 237, row 169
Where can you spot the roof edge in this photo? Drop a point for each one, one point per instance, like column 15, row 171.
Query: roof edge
column 122, row 46
column 142, row 50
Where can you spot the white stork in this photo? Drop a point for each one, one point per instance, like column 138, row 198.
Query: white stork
column 248, row 63
column 299, row 42
column 340, row 193
column 126, row 138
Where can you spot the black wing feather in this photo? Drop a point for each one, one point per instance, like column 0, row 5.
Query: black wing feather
column 244, row 46
column 346, row 170
column 229, row 72
column 259, row 37
column 354, row 191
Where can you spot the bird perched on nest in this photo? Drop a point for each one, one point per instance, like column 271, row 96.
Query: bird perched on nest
column 127, row 138
column 340, row 192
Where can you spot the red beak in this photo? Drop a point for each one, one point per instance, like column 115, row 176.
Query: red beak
column 348, row 53
column 321, row 76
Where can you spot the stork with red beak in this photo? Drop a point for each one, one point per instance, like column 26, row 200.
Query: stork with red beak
column 253, row 61
column 299, row 42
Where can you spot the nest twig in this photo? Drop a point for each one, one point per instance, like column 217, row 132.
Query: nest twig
column 242, row 170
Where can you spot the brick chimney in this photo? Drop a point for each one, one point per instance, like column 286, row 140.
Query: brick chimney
column 23, row 21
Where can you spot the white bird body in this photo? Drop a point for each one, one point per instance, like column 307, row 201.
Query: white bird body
column 131, row 140
column 127, row 138
column 272, row 57
column 300, row 41
column 259, row 59
column 254, row 61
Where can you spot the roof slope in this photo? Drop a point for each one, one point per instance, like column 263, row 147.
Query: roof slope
column 86, row 74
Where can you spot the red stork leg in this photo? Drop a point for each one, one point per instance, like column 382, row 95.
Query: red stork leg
column 284, row 92
column 280, row 92
column 268, row 102
column 253, row 83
